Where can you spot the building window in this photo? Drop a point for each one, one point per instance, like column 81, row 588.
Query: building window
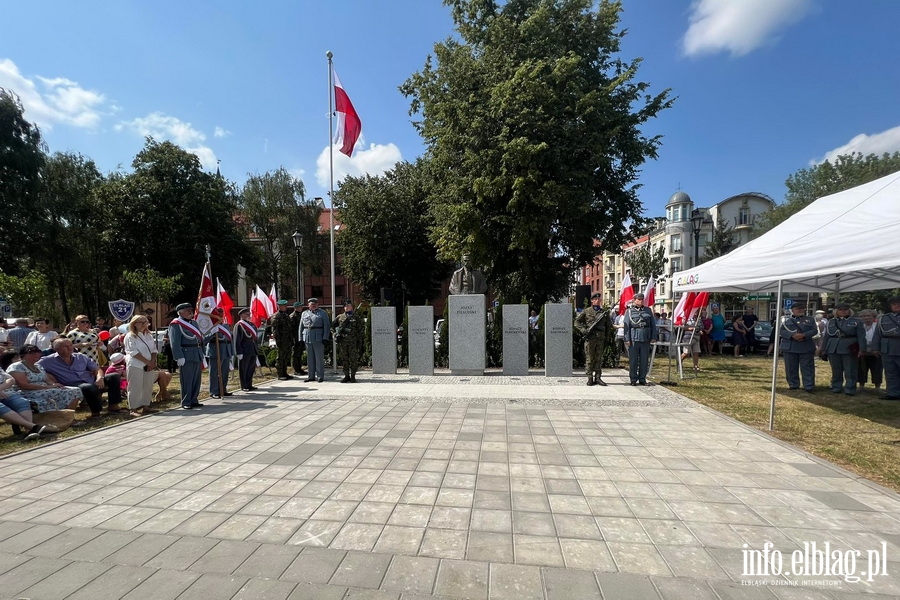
column 662, row 289
column 318, row 292
column 744, row 218
column 676, row 243
column 675, row 264
column 338, row 291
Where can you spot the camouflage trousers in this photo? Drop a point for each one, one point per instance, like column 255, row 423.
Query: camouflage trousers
column 348, row 355
column 593, row 354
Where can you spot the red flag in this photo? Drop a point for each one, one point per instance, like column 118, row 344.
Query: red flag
column 679, row 315
column 223, row 301
column 700, row 301
column 348, row 124
column 627, row 293
column 650, row 292
column 259, row 307
column 206, row 301
column 273, row 301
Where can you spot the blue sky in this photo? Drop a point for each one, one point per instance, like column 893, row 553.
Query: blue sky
column 764, row 87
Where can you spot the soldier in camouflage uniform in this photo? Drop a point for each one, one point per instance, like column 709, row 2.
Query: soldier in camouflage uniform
column 299, row 346
column 283, row 331
column 348, row 332
column 594, row 323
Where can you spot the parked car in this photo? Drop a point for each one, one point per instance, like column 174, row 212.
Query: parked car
column 763, row 330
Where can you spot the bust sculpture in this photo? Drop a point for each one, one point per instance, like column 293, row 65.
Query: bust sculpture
column 467, row 280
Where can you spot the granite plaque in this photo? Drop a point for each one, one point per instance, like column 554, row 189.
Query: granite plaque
column 558, row 320
column 384, row 340
column 467, row 334
column 421, row 340
column 515, row 339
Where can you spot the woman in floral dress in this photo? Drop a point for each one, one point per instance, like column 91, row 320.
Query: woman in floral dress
column 38, row 386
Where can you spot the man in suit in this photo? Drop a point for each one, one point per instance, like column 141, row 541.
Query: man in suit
column 315, row 330
column 187, row 340
column 219, row 351
column 886, row 343
column 640, row 334
column 299, row 346
column 246, row 347
column 799, row 348
column 844, row 339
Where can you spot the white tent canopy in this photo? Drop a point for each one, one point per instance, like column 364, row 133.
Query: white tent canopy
column 846, row 242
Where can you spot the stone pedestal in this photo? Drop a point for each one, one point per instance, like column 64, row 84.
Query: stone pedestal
column 421, row 340
column 384, row 340
column 467, row 334
column 515, row 339
column 558, row 320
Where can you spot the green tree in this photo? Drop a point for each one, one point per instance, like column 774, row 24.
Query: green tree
column 533, row 131
column 274, row 206
column 645, row 262
column 385, row 242
column 722, row 241
column 28, row 295
column 149, row 285
column 807, row 185
column 21, row 159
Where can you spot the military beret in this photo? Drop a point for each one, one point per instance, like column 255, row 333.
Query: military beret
column 596, row 295
column 183, row 306
column 638, row 296
column 797, row 305
column 312, row 300
column 894, row 300
column 282, row 303
column 297, row 303
column 842, row 306
column 243, row 310
column 348, row 301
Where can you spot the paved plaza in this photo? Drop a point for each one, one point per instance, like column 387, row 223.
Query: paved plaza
column 419, row 487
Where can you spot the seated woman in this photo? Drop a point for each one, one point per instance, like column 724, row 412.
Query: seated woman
column 39, row 387
column 15, row 410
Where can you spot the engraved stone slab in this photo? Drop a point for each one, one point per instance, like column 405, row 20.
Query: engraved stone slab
column 515, row 339
column 421, row 340
column 467, row 334
column 384, row 340
column 558, row 340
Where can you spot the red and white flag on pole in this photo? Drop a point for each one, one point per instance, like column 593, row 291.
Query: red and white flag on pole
column 259, row 307
column 627, row 293
column 348, row 124
column 650, row 292
column 206, row 301
column 700, row 302
column 273, row 301
column 223, row 301
column 683, row 309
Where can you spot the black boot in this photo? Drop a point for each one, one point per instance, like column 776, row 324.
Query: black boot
column 346, row 379
column 353, row 377
column 599, row 381
column 590, row 380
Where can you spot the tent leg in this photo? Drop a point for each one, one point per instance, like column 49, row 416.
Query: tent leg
column 775, row 332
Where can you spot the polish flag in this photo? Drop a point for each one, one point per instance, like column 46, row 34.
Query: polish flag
column 206, row 301
column 223, row 301
column 685, row 305
column 627, row 293
column 700, row 302
column 260, row 307
column 273, row 301
column 650, row 292
column 348, row 124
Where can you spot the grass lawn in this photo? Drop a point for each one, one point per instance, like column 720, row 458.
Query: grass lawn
column 859, row 433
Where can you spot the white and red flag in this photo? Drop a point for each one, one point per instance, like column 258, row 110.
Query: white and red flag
column 700, row 302
column 627, row 293
column 348, row 124
column 223, row 301
column 683, row 308
column 206, row 302
column 650, row 292
column 260, row 307
column 273, row 301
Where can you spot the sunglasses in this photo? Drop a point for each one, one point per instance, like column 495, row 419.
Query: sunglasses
column 88, row 322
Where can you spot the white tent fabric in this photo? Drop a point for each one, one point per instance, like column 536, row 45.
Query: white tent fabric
column 846, row 242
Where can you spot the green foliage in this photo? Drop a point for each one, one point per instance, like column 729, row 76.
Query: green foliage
column 150, row 285
column 533, row 129
column 876, row 299
column 645, row 262
column 28, row 295
column 385, row 243
column 722, row 241
column 807, row 185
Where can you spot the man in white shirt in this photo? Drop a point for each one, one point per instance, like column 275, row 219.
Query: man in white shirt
column 869, row 362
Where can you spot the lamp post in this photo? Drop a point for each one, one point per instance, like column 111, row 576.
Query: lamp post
column 697, row 224
column 298, row 244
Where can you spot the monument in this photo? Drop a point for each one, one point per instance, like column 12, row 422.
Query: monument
column 467, row 334
column 421, row 340
column 384, row 340
column 558, row 340
column 515, row 339
column 467, row 279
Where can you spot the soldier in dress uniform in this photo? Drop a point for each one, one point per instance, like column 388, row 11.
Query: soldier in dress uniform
column 348, row 333
column 219, row 352
column 187, row 340
column 284, row 334
column 640, row 334
column 299, row 346
column 886, row 343
column 594, row 323
column 246, row 347
column 799, row 348
column 315, row 329
column 844, row 339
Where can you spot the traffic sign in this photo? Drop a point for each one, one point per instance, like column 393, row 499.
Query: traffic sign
column 788, row 302
column 5, row 308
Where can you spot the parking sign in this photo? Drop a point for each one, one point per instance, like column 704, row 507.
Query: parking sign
column 788, row 303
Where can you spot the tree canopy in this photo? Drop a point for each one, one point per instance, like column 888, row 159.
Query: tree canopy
column 533, row 131
column 645, row 262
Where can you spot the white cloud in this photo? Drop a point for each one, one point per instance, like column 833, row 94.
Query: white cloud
column 221, row 132
column 52, row 101
column 165, row 127
column 374, row 160
column 879, row 143
column 739, row 26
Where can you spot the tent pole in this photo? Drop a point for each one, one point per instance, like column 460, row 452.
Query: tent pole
column 776, row 331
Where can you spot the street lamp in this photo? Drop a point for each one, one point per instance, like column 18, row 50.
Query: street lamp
column 298, row 244
column 696, row 224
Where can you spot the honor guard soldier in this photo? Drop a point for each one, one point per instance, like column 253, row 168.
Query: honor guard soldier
column 283, row 332
column 640, row 334
column 315, row 329
column 246, row 347
column 886, row 342
column 299, row 346
column 594, row 323
column 219, row 353
column 844, row 339
column 348, row 333
column 799, row 348
column 187, row 339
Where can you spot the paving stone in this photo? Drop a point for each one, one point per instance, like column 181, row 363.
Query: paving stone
column 400, row 540
column 462, row 579
column 264, row 589
column 411, row 575
column 213, row 585
column 114, row 583
column 626, row 586
column 360, row 569
column 357, row 536
column 314, row 565
column 268, row 561
column 64, row 543
column 563, row 584
column 316, row 591
column 181, row 554
column 444, row 543
column 141, row 550
column 66, row 581
column 679, row 588
column 537, row 550
column 224, row 557
column 593, row 555
column 515, row 582
column 638, row 558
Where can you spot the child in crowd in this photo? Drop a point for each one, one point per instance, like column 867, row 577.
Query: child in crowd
column 117, row 365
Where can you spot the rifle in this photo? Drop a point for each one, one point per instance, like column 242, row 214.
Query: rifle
column 603, row 315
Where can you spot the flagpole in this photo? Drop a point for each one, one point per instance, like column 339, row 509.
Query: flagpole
column 331, row 201
column 216, row 326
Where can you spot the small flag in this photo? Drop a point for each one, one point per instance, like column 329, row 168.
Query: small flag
column 348, row 124
column 627, row 293
column 223, row 301
column 650, row 292
column 206, row 301
column 273, row 301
